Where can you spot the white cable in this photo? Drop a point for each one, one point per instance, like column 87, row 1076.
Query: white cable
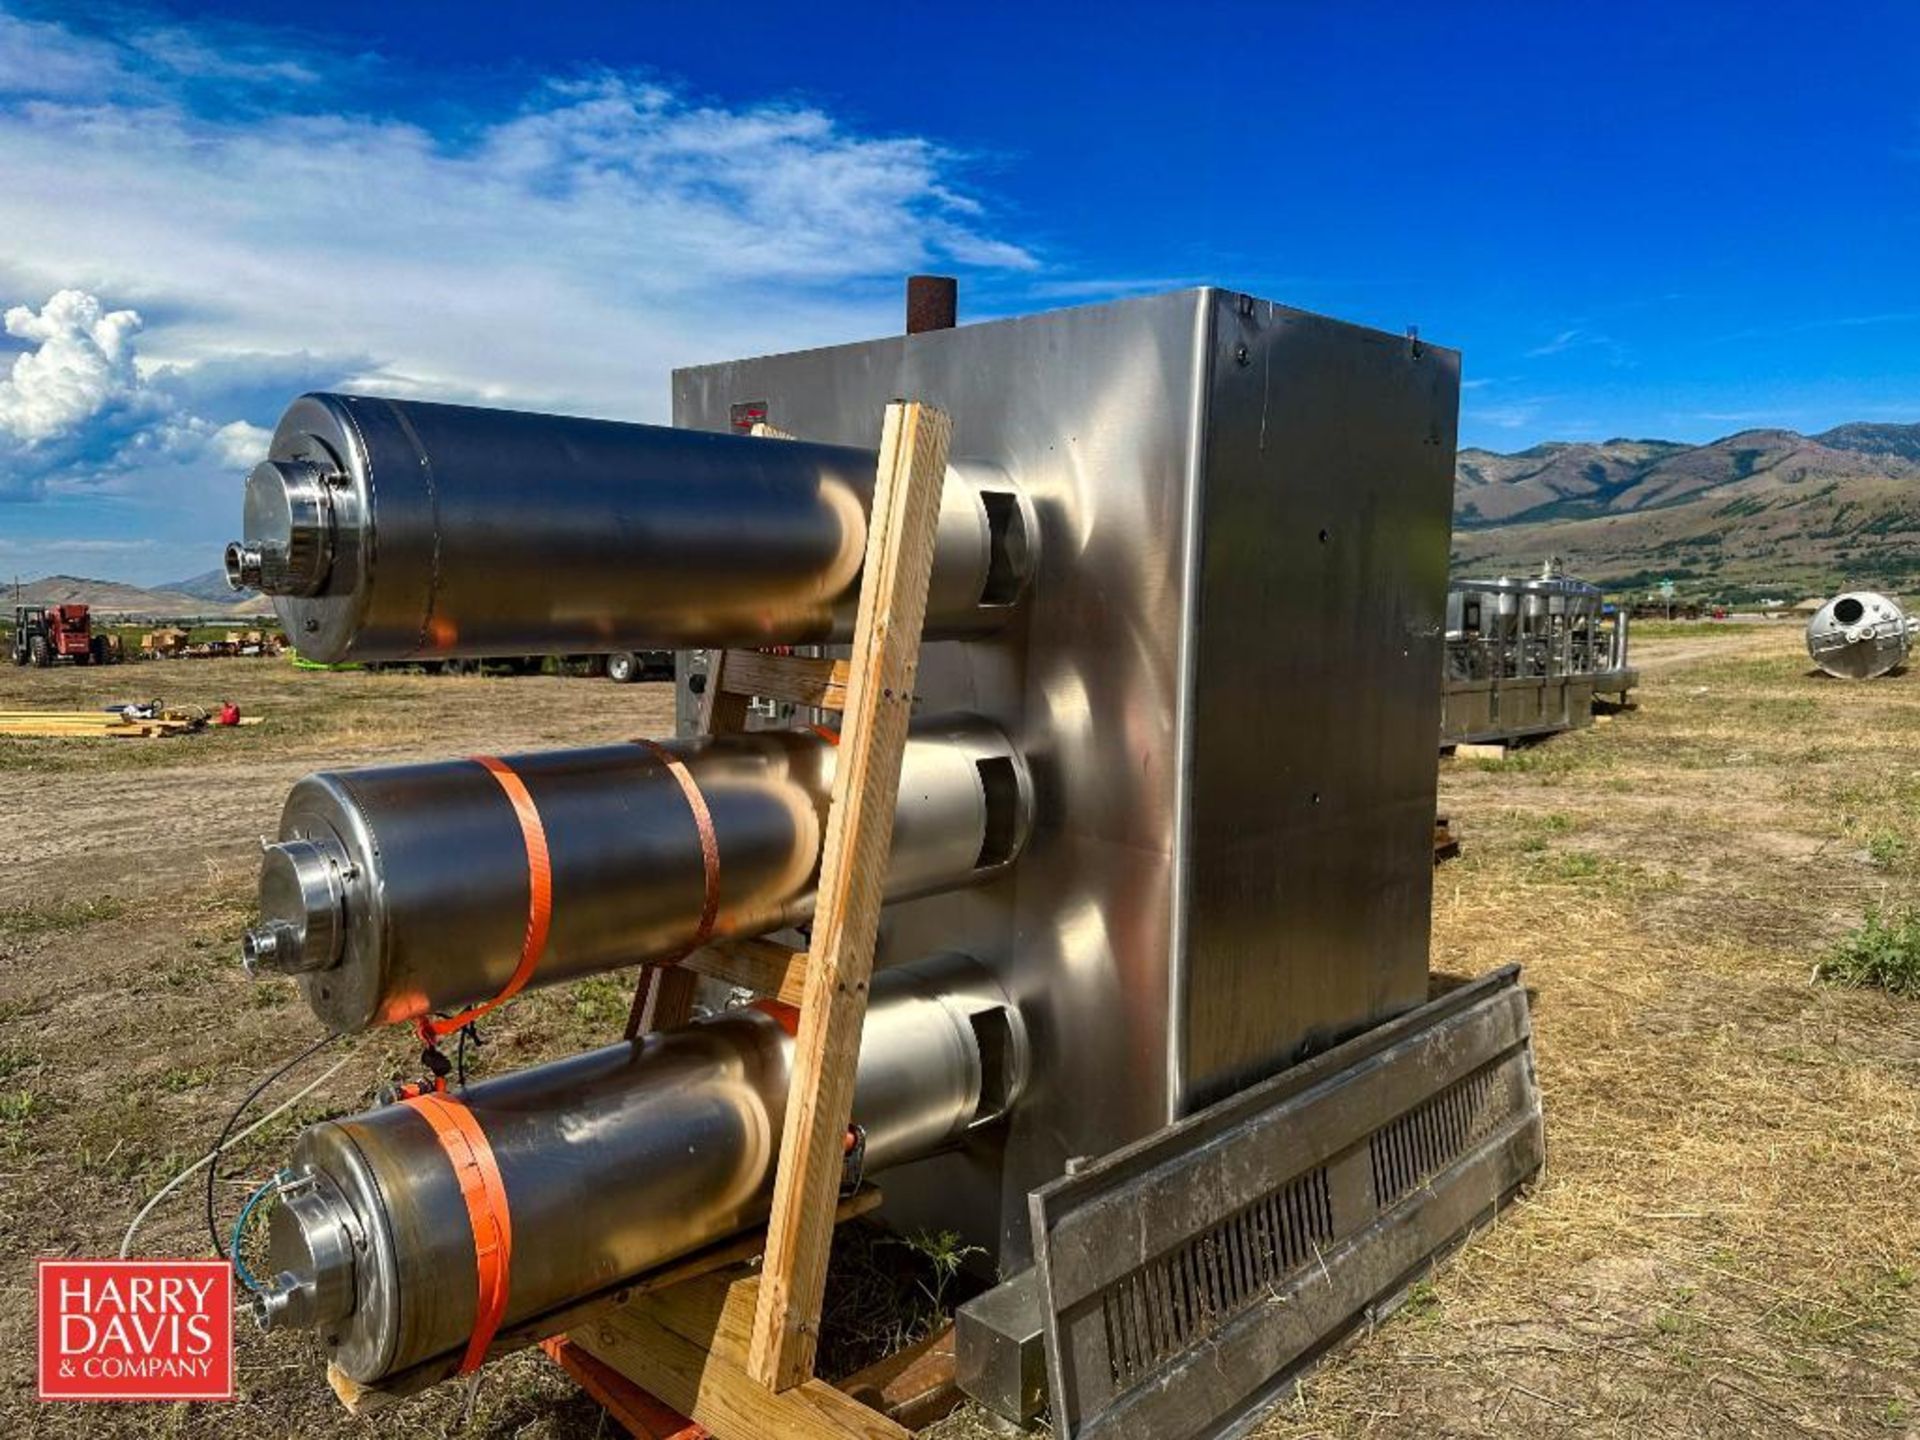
column 273, row 1114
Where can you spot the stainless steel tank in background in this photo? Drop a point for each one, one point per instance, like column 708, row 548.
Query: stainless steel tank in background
column 613, row 1162
column 1859, row 635
column 394, row 529
column 401, row 890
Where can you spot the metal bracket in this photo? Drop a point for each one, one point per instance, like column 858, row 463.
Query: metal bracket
column 999, row 1349
column 853, row 1166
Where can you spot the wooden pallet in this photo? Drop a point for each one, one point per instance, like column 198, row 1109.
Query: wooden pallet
column 732, row 1352
column 95, row 724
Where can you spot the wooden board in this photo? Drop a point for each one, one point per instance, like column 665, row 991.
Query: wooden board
column 723, row 711
column 765, row 967
column 714, row 1310
column 668, row 1004
column 800, row 679
column 689, row 1375
column 1467, row 750
column 914, row 1387
column 84, row 723
column 633, row 1409
column 886, row 656
column 87, row 724
column 139, row 729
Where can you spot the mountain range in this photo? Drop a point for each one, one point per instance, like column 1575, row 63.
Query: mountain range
column 1761, row 513
column 199, row 597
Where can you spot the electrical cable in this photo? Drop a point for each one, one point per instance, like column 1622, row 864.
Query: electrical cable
column 240, row 1230
column 126, row 1245
column 471, row 1030
column 213, row 1170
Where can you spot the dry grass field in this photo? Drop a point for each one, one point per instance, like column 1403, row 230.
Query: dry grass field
column 1726, row 1242
column 1727, row 1238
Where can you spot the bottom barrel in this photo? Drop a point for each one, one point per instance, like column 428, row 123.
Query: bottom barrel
column 612, row 1162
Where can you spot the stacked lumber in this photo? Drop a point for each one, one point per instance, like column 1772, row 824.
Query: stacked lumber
column 87, row 724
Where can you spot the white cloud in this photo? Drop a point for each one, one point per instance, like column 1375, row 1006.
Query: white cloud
column 280, row 225
column 143, row 62
column 1110, row 287
column 76, row 410
column 37, row 58
column 239, row 444
column 1518, row 414
column 185, row 55
column 80, row 544
column 83, row 365
column 1577, row 338
column 564, row 251
column 1562, row 342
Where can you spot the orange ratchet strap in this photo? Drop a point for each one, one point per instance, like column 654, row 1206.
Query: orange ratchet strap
column 471, row 1155
column 539, row 902
column 710, row 874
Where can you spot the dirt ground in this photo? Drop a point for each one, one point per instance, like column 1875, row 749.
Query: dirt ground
column 1726, row 1241
column 1727, row 1238
column 128, row 1030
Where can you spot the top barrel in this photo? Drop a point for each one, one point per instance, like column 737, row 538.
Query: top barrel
column 395, row 529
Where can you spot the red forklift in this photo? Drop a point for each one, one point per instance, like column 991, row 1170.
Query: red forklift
column 45, row 634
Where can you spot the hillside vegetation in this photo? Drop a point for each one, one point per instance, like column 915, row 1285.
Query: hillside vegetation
column 1760, row 513
column 111, row 597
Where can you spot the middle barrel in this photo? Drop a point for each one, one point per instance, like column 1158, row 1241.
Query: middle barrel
column 398, row 891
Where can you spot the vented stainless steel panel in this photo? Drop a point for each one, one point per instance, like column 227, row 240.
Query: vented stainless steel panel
column 1187, row 1279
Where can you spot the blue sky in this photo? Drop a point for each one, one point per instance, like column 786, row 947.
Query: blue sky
column 1661, row 221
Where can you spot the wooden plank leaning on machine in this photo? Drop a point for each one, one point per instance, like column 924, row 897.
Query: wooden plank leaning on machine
column 734, row 1350
column 866, row 786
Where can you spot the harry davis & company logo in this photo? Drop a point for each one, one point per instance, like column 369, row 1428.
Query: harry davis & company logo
column 136, row 1330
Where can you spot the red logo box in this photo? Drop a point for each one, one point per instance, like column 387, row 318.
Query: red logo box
column 136, row 1330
